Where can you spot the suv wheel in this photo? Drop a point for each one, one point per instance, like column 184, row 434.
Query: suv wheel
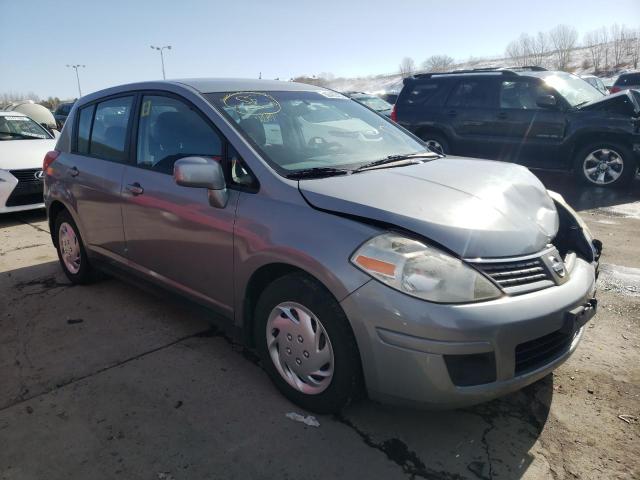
column 605, row 164
column 306, row 345
column 71, row 252
column 435, row 142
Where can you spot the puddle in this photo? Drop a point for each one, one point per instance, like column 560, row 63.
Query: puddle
column 622, row 280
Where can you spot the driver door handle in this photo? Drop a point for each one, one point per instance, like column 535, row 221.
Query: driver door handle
column 74, row 172
column 135, row 189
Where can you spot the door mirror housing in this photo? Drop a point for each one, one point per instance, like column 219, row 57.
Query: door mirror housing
column 200, row 172
column 547, row 101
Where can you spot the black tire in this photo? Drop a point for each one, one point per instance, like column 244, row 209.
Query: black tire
column 85, row 273
column 346, row 382
column 432, row 139
column 628, row 170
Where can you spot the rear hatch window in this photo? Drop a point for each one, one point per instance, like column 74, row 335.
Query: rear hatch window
column 629, row 79
column 424, row 93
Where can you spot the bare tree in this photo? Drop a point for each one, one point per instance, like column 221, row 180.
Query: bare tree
column 563, row 38
column 618, row 43
column 539, row 47
column 437, row 63
column 407, row 67
column 634, row 47
column 596, row 43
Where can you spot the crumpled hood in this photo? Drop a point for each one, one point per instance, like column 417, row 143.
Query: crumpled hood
column 475, row 208
column 633, row 101
column 19, row 154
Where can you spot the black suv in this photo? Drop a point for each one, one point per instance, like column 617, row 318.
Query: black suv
column 531, row 116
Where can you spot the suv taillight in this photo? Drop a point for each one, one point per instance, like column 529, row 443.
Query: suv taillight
column 615, row 89
column 48, row 159
column 394, row 113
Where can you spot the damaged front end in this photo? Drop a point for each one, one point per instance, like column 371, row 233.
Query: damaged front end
column 573, row 234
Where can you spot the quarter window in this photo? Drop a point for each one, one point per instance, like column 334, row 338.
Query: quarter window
column 169, row 130
column 109, row 132
column 84, row 129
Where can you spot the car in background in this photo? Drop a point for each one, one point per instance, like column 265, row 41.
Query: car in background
column 626, row 81
column 531, row 116
column 35, row 111
column 448, row 281
column 23, row 145
column 62, row 112
column 372, row 101
column 596, row 83
column 389, row 97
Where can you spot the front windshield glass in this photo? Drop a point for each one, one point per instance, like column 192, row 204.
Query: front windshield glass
column 18, row 127
column 301, row 130
column 375, row 103
column 574, row 89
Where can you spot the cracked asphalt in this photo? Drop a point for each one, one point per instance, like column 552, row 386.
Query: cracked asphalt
column 113, row 381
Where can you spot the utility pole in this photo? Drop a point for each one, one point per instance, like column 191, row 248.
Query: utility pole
column 160, row 49
column 76, row 67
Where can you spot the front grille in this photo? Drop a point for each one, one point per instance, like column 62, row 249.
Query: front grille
column 516, row 273
column 541, row 351
column 28, row 191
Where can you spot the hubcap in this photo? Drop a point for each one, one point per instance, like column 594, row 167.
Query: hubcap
column 300, row 348
column 69, row 247
column 435, row 146
column 603, row 166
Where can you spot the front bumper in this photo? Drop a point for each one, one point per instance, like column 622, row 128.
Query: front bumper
column 8, row 185
column 405, row 342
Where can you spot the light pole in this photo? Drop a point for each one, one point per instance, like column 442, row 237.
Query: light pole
column 76, row 67
column 160, row 49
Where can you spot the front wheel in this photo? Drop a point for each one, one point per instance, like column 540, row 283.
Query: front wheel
column 605, row 164
column 306, row 345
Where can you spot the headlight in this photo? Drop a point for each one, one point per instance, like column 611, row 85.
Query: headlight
column 560, row 199
column 422, row 271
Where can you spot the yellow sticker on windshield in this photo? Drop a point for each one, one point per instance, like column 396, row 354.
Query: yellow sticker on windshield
column 146, row 108
column 258, row 104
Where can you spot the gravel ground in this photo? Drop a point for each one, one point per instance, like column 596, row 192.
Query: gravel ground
column 110, row 381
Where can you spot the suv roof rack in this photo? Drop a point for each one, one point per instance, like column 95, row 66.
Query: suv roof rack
column 500, row 70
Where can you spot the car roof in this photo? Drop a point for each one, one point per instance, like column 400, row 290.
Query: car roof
column 210, row 85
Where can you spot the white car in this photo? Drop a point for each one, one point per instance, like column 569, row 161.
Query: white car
column 23, row 145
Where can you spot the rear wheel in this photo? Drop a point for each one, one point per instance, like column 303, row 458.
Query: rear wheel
column 605, row 164
column 306, row 345
column 435, row 142
column 71, row 252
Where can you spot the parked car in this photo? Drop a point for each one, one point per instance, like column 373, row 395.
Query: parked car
column 596, row 83
column 36, row 112
column 538, row 118
column 626, row 81
column 23, row 145
column 326, row 237
column 372, row 101
column 62, row 112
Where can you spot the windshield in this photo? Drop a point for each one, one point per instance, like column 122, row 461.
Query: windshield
column 373, row 102
column 574, row 89
column 18, row 127
column 302, row 130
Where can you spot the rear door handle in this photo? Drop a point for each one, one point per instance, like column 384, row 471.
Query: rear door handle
column 452, row 113
column 74, row 172
column 135, row 188
column 502, row 115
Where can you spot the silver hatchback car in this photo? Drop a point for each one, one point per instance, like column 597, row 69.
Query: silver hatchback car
column 331, row 240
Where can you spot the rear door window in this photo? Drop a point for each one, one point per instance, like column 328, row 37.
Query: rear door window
column 168, row 130
column 109, row 132
column 471, row 94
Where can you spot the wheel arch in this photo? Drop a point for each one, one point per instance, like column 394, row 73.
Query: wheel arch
column 586, row 138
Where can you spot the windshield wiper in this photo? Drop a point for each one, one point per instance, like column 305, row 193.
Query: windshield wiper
column 317, row 172
column 396, row 158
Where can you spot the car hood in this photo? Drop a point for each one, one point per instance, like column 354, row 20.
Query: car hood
column 18, row 154
column 474, row 208
column 633, row 101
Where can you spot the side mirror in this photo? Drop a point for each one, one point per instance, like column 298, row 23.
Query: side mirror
column 199, row 172
column 546, row 101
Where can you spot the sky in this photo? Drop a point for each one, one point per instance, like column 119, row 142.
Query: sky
column 280, row 38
